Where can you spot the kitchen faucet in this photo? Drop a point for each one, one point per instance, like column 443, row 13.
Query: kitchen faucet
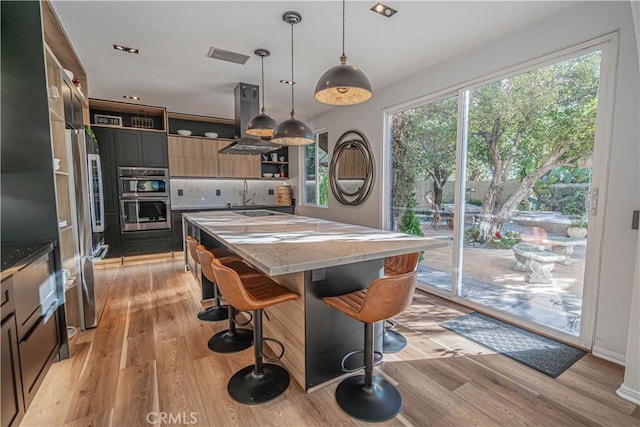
column 245, row 189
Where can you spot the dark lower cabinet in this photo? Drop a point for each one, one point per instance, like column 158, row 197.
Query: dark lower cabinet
column 112, row 235
column 12, row 405
column 146, row 242
column 30, row 338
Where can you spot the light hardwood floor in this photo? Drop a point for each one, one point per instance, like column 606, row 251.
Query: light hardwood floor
column 149, row 356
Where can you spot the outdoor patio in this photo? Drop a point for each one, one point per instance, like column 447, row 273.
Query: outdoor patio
column 490, row 278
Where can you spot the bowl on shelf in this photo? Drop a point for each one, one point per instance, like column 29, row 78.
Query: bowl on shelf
column 184, row 132
column 267, row 175
column 211, row 134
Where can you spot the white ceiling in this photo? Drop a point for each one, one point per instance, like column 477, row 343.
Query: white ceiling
column 172, row 69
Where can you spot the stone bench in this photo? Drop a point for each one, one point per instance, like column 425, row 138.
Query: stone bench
column 562, row 245
column 536, row 261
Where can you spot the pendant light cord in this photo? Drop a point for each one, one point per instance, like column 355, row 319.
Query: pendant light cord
column 293, row 82
column 343, row 8
column 262, row 57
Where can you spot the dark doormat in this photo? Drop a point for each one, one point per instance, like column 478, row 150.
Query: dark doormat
column 540, row 353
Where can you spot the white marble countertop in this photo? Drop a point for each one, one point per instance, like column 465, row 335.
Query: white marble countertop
column 284, row 243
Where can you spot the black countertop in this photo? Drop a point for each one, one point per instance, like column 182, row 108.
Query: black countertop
column 16, row 256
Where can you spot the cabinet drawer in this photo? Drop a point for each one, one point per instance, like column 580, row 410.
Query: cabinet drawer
column 32, row 286
column 12, row 407
column 36, row 349
column 7, row 298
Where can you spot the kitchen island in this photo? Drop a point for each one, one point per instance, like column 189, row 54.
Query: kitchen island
column 314, row 258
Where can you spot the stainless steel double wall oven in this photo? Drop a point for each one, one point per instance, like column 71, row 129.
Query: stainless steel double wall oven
column 144, row 199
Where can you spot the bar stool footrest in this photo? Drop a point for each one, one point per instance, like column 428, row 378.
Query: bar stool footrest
column 377, row 358
column 214, row 313
column 278, row 357
column 247, row 387
column 380, row 402
column 392, row 341
column 227, row 342
column 241, row 324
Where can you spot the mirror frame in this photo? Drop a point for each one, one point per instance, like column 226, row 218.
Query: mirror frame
column 352, row 138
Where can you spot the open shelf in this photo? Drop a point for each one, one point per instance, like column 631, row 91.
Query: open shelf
column 55, row 116
column 201, row 137
column 62, row 173
column 127, row 112
column 275, row 163
column 66, row 228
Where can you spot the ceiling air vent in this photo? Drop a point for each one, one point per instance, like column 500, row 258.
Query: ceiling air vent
column 227, row 55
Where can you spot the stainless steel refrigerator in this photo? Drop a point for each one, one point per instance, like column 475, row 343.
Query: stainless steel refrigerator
column 87, row 177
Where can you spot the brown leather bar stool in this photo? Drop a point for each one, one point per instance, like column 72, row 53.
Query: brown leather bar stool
column 393, row 341
column 366, row 397
column 217, row 311
column 259, row 382
column 233, row 339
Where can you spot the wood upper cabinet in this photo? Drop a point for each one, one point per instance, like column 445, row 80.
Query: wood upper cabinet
column 239, row 166
column 193, row 157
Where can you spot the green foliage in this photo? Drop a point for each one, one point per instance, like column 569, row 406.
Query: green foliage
column 324, row 189
column 580, row 223
column 509, row 238
column 474, row 202
column 410, row 222
column 504, row 240
column 563, row 189
column 89, row 132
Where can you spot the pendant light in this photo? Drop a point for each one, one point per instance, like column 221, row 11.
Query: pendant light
column 292, row 131
column 263, row 124
column 343, row 84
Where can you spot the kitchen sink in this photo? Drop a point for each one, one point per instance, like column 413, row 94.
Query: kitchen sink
column 259, row 212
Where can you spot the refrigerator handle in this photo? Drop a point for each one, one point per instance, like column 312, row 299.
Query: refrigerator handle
column 101, row 253
column 97, row 218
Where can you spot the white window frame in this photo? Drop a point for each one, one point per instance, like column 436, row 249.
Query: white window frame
column 608, row 45
column 302, row 162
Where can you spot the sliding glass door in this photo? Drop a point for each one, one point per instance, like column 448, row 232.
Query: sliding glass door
column 502, row 172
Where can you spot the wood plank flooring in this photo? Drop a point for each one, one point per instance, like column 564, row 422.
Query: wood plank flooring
column 149, row 357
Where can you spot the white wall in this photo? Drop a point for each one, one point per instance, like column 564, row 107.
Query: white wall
column 579, row 23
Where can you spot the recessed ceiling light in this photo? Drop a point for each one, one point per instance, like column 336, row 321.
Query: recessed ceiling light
column 287, row 82
column 126, row 49
column 383, row 10
column 135, row 98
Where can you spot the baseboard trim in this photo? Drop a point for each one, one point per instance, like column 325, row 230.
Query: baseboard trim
column 609, row 355
column 631, row 395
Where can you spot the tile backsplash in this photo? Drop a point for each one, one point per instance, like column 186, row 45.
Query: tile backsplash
column 203, row 193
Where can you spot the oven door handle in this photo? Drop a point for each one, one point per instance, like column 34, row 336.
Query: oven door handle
column 140, row 198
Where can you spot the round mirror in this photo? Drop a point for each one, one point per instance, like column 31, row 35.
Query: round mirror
column 351, row 171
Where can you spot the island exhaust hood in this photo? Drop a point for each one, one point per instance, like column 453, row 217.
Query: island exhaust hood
column 246, row 106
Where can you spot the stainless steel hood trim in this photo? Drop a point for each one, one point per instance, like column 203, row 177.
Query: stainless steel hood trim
column 249, row 146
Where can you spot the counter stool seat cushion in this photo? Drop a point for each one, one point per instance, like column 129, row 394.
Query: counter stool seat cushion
column 251, row 292
column 384, row 298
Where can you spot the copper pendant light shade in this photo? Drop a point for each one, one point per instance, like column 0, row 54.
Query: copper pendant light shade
column 262, row 125
column 292, row 131
column 343, row 84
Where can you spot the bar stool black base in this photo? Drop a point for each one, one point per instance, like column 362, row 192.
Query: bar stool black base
column 381, row 402
column 251, row 389
column 227, row 342
column 392, row 341
column 214, row 313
